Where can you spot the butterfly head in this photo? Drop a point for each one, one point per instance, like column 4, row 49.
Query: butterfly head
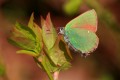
column 62, row 30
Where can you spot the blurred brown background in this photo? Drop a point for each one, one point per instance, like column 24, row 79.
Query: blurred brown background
column 103, row 64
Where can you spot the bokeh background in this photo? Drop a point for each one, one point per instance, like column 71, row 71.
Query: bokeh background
column 102, row 64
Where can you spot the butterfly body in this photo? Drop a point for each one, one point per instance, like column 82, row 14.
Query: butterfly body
column 79, row 33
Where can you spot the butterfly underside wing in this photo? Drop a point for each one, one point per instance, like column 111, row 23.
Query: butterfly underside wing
column 81, row 32
column 83, row 40
column 87, row 20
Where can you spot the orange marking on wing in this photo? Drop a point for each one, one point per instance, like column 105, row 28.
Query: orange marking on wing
column 88, row 27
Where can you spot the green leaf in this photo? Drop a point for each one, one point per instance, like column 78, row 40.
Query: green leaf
column 72, row 6
column 48, row 32
column 46, row 64
column 58, row 57
column 49, row 64
column 26, row 52
column 2, row 70
column 38, row 32
column 51, row 42
column 31, row 22
column 50, row 68
column 2, row 67
column 25, row 38
column 28, row 38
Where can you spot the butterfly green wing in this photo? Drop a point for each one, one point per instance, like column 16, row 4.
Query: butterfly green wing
column 87, row 20
column 83, row 40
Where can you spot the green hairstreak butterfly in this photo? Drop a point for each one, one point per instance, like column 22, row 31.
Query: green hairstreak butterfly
column 79, row 33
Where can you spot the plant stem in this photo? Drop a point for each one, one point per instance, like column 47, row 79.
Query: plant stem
column 43, row 65
column 55, row 75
